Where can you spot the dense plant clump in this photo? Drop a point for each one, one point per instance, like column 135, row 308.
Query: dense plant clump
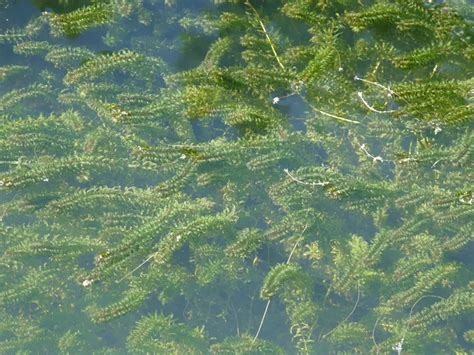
column 237, row 176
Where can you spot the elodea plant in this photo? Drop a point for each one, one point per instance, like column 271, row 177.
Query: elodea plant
column 237, row 177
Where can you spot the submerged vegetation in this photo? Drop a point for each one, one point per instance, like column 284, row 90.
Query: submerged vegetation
column 238, row 177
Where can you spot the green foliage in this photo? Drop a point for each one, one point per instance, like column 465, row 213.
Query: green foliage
column 32, row 48
column 160, row 334
column 380, row 14
column 9, row 71
column 68, row 57
column 460, row 302
column 171, row 170
column 18, row 332
column 132, row 300
column 245, row 345
column 246, row 243
column 422, row 286
column 352, row 337
column 285, row 275
column 10, row 102
column 295, row 287
column 438, row 101
column 75, row 22
column 102, row 64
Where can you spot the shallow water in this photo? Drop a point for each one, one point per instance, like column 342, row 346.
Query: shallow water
column 242, row 177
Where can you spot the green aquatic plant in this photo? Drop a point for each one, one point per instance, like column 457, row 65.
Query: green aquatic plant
column 237, row 176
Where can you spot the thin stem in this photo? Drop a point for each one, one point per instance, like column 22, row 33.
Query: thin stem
column 348, row 316
column 262, row 26
column 295, row 179
column 390, row 91
column 373, row 334
column 398, row 347
column 261, row 322
column 366, row 152
column 419, row 299
column 275, row 54
column 10, row 162
column 371, row 108
column 237, row 327
column 135, row 269
column 331, row 115
column 268, row 302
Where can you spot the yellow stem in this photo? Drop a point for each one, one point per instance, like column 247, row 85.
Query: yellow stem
column 247, row 2
column 331, row 115
column 259, row 19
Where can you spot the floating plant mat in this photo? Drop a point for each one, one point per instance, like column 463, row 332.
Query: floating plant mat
column 236, row 177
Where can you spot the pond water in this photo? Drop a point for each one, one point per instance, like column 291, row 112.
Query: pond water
column 236, row 177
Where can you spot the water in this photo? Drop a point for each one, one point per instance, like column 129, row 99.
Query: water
column 242, row 177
